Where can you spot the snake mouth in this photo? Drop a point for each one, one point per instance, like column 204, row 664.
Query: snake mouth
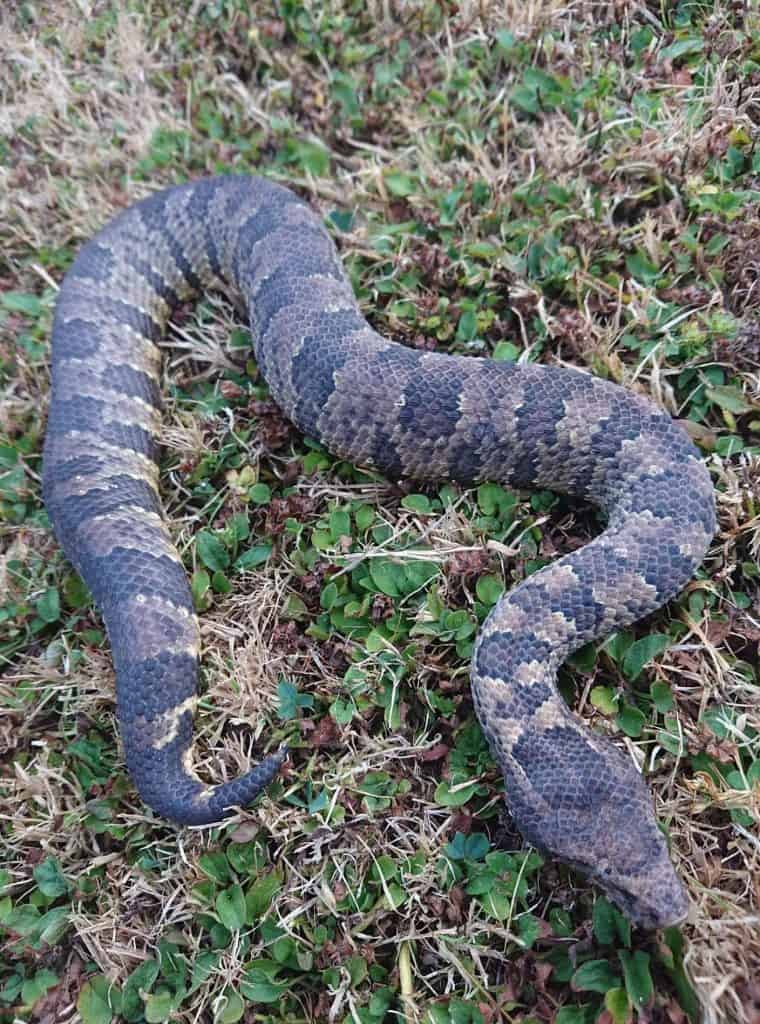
column 642, row 904
column 645, row 914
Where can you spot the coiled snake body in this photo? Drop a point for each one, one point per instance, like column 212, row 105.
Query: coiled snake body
column 408, row 414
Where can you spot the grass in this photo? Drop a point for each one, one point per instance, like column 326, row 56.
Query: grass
column 575, row 185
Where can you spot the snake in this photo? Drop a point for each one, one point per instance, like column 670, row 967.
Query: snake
column 411, row 415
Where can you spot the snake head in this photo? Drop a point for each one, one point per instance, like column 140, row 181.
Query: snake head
column 642, row 883
column 580, row 800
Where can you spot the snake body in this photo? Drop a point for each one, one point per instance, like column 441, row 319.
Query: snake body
column 407, row 413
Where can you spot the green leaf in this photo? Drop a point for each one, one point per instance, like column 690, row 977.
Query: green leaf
column 489, row 589
column 417, row 503
column 288, row 695
column 21, row 302
column 239, row 526
column 494, row 500
column 718, row 719
column 211, row 551
column 393, row 896
column 467, row 328
column 380, row 1002
column 23, row 919
column 159, row 1007
column 476, row 846
column 384, row 868
column 199, row 584
column 357, row 969
column 403, row 309
column 36, row 987
column 342, row 219
column 256, row 555
column 609, row 924
column 673, row 952
column 617, row 1004
column 53, row 925
column 260, row 494
column 258, row 897
column 231, row 908
column 505, row 40
column 484, row 251
column 662, row 697
column 448, row 205
column 561, row 922
column 386, row 576
column 342, row 711
column 50, row 880
column 11, row 990
column 473, row 847
column 75, row 592
column 220, row 584
column 630, row 720
column 682, row 47
column 310, row 155
column 482, row 882
column 456, row 1011
column 496, row 903
column 584, row 659
column 603, row 698
column 616, row 645
column 141, row 979
column 575, row 1015
column 506, row 352
column 295, row 608
column 93, row 1004
column 594, row 976
column 528, row 928
column 642, row 268
column 340, row 524
column 448, row 797
column 729, row 445
column 728, row 397
column 399, row 184
column 364, row 517
column 232, row 1009
column 49, row 605
column 263, row 991
column 322, row 540
column 245, row 858
column 215, row 866
column 259, row 983
column 206, row 964
column 291, row 700
column 638, row 980
column 642, row 651
column 13, row 485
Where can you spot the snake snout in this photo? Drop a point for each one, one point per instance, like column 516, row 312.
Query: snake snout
column 629, row 861
column 650, row 901
column 649, row 894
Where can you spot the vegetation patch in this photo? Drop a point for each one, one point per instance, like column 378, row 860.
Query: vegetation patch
column 573, row 185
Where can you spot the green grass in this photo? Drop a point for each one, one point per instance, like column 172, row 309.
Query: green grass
column 572, row 186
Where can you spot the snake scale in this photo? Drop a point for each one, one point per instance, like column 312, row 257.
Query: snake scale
column 409, row 414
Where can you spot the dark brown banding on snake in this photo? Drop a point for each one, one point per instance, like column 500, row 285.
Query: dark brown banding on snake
column 408, row 413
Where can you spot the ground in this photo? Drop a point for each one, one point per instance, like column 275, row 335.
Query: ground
column 575, row 184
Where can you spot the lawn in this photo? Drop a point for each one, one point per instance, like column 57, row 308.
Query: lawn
column 572, row 184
